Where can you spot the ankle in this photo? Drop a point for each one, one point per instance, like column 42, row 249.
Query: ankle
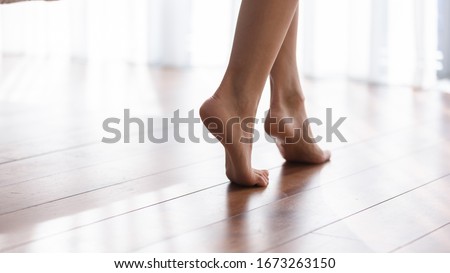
column 239, row 100
column 286, row 92
column 285, row 99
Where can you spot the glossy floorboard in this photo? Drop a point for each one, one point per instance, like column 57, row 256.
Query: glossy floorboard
column 62, row 190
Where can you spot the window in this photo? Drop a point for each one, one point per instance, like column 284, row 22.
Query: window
column 444, row 39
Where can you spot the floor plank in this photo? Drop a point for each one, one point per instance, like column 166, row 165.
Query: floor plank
column 318, row 243
column 436, row 241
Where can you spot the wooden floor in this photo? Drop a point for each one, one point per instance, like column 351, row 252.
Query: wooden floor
column 61, row 190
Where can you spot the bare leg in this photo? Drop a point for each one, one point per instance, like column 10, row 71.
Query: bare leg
column 261, row 29
column 287, row 100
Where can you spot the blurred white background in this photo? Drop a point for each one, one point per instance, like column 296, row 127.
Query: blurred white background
column 378, row 41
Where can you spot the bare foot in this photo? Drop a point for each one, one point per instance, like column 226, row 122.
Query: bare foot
column 286, row 123
column 223, row 116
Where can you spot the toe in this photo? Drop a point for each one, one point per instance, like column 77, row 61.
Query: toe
column 264, row 173
column 261, row 181
column 326, row 155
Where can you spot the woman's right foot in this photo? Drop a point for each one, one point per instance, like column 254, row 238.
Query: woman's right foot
column 223, row 117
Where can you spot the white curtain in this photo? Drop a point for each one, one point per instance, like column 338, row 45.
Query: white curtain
column 381, row 41
column 161, row 32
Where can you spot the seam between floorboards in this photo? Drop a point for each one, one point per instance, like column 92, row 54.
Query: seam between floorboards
column 418, row 238
column 335, row 236
column 48, row 153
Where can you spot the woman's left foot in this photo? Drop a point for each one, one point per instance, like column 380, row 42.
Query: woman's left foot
column 287, row 123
